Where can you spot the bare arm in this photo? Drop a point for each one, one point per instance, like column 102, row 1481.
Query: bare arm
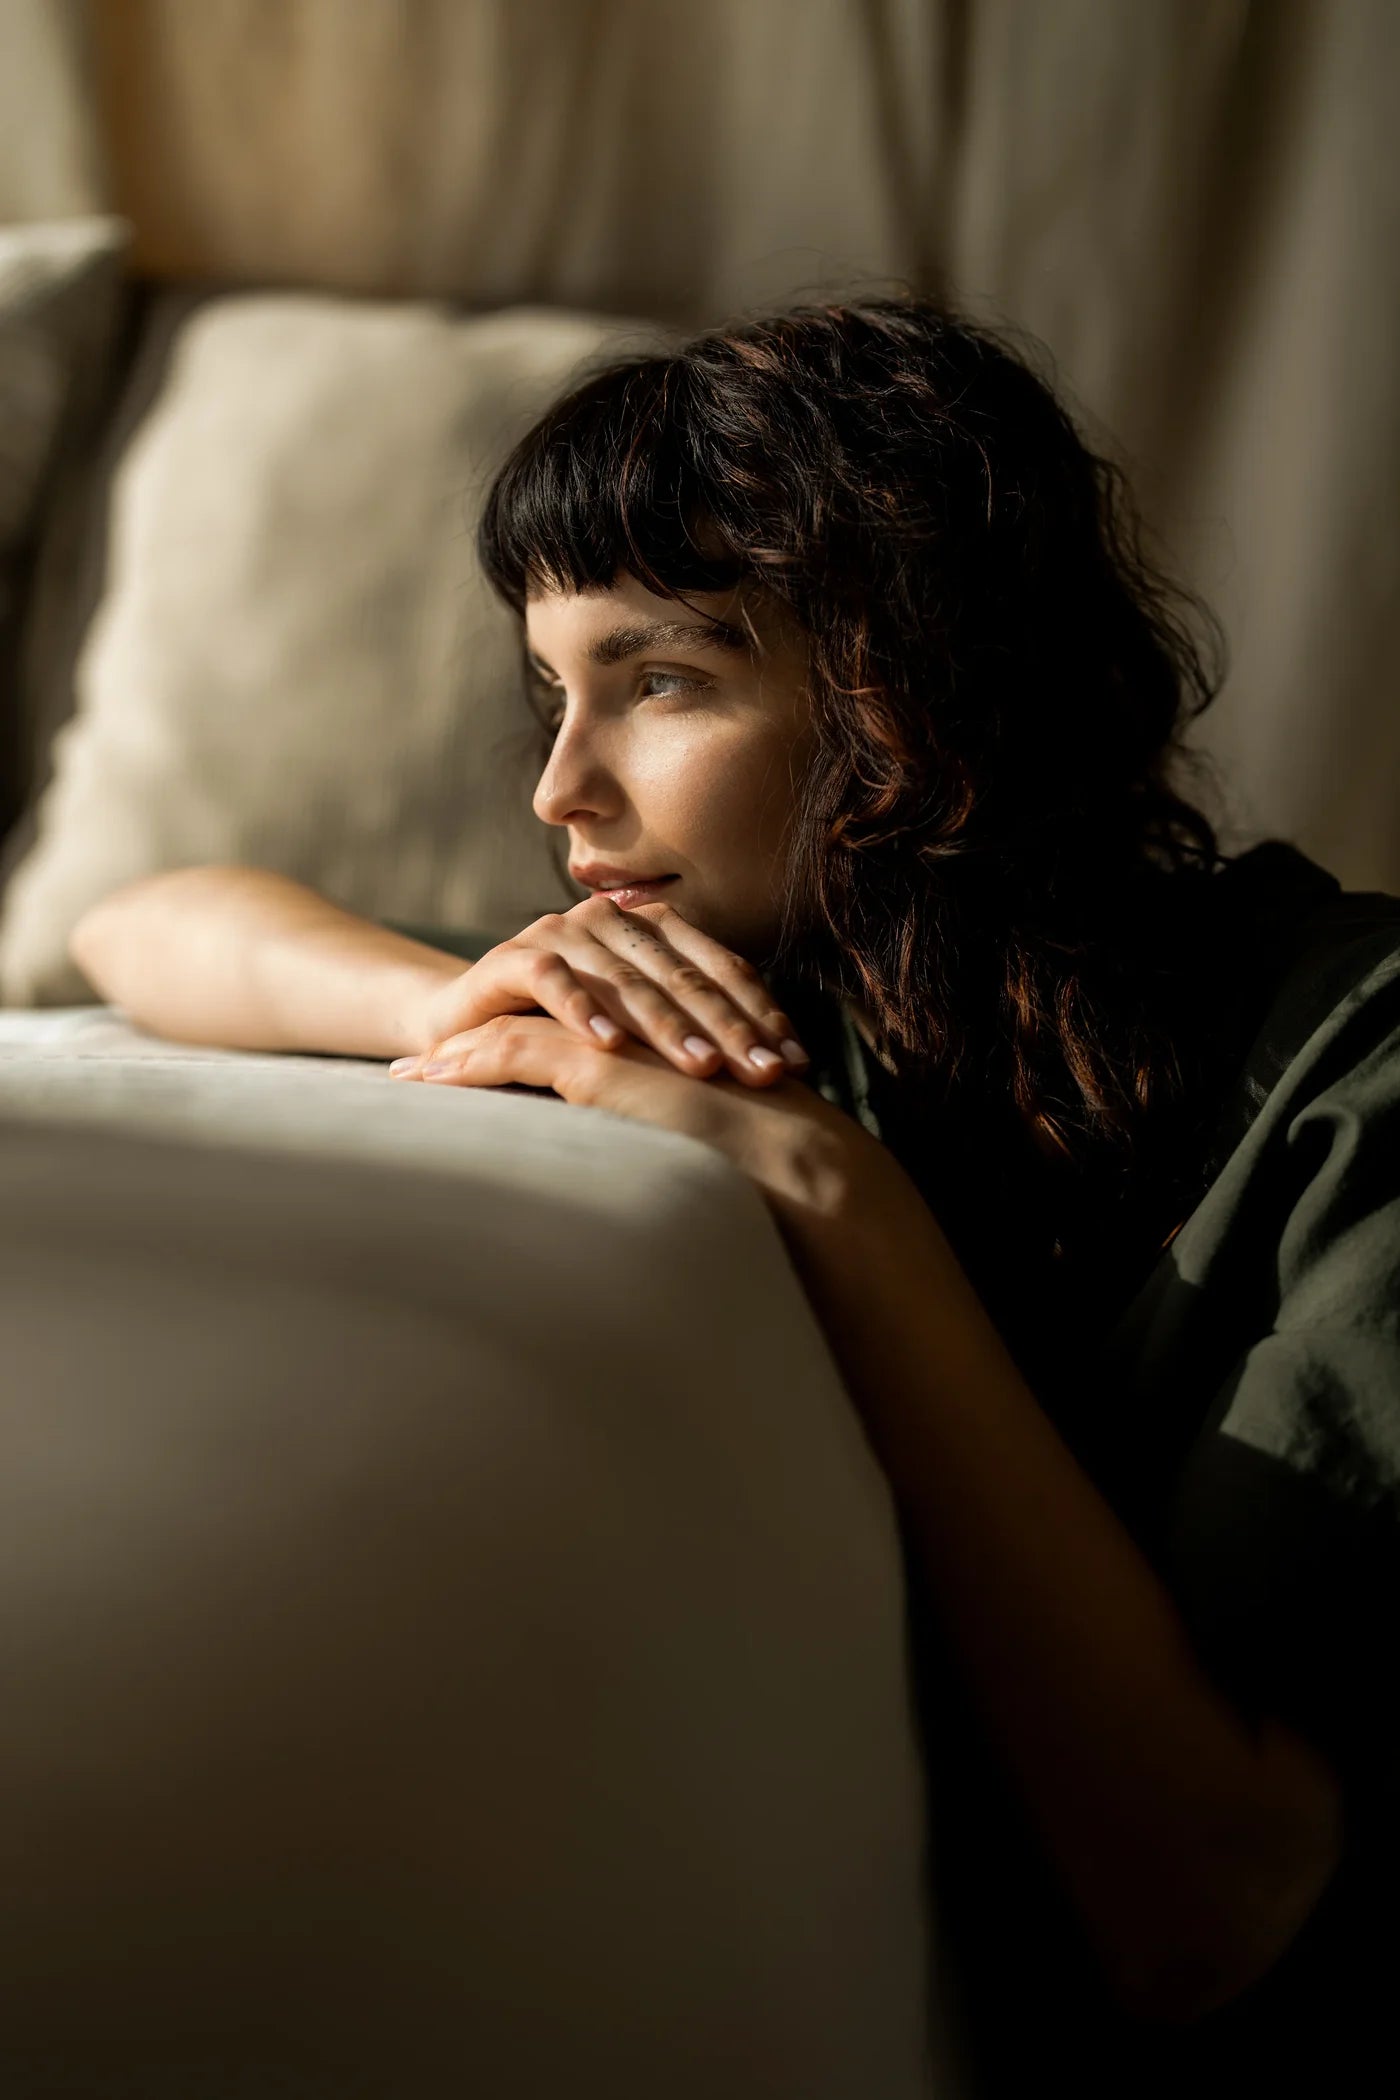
column 251, row 960
column 1193, row 1844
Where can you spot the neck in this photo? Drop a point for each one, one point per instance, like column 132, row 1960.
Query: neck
column 865, row 1028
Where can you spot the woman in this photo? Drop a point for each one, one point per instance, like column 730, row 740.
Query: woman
column 1076, row 1132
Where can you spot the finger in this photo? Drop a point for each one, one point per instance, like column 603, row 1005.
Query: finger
column 464, row 1041
column 731, row 974
column 660, row 980
column 523, row 1050
column 454, row 1047
column 519, row 976
column 702, row 1061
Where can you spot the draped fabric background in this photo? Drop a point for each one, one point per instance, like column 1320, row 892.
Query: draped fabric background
column 1194, row 203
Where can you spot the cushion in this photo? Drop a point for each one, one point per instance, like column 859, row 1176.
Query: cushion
column 296, row 662
column 463, row 1644
column 60, row 300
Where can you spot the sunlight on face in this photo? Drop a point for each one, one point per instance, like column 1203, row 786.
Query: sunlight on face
column 676, row 754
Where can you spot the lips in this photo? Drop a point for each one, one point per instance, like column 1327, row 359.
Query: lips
column 627, row 893
column 597, row 875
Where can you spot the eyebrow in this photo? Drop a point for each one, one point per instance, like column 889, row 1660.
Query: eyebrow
column 620, row 643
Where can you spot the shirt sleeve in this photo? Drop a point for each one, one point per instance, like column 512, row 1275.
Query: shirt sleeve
column 1282, row 1542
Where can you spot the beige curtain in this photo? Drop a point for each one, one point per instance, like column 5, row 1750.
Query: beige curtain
column 51, row 163
column 1194, row 203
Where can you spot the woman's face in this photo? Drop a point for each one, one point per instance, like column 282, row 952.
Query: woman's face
column 678, row 748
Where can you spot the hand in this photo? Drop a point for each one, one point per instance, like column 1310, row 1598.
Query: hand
column 643, row 973
column 808, row 1159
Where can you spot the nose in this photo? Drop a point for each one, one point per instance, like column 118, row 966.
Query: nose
column 571, row 786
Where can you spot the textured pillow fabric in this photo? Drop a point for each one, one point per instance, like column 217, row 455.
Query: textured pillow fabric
column 296, row 662
column 60, row 299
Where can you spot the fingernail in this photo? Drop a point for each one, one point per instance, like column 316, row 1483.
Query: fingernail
column 794, row 1052
column 766, row 1060
column 441, row 1065
column 698, row 1047
column 403, row 1064
column 606, row 1031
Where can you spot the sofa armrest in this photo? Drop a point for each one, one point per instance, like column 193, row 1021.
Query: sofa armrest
column 454, row 1625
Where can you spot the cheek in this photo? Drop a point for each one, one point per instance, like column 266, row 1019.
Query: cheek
column 721, row 793
column 759, row 784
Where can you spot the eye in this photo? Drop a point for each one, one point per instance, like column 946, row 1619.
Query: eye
column 672, row 681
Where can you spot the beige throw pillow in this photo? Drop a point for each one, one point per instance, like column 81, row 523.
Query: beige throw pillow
column 296, row 662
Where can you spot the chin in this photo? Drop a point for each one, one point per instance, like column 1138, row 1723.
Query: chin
column 756, row 943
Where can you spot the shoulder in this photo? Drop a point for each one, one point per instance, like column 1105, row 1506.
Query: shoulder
column 1328, row 1016
column 1299, row 1222
column 1300, row 1229
column 1305, row 1126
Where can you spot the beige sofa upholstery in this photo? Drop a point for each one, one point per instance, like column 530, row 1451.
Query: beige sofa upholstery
column 453, row 1625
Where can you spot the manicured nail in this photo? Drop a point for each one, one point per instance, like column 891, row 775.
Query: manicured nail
column 698, row 1047
column 432, row 1070
column 766, row 1060
column 607, row 1031
column 794, row 1052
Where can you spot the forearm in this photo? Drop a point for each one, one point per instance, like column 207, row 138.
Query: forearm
column 1192, row 1846
column 249, row 959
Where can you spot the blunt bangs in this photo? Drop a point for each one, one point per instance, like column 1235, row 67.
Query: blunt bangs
column 611, row 478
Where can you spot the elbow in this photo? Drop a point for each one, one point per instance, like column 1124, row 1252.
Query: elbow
column 1173, row 1986
column 1180, row 1977
column 83, row 944
column 1177, row 1985
column 104, row 927
column 88, row 945
column 1212, row 1939
column 102, row 934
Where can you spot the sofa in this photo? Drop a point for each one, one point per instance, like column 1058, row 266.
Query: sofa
column 455, row 1628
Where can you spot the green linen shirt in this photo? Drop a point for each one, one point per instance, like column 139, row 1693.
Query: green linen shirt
column 1244, row 1421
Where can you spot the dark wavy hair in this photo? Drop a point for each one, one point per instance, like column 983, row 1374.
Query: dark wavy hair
column 988, row 850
